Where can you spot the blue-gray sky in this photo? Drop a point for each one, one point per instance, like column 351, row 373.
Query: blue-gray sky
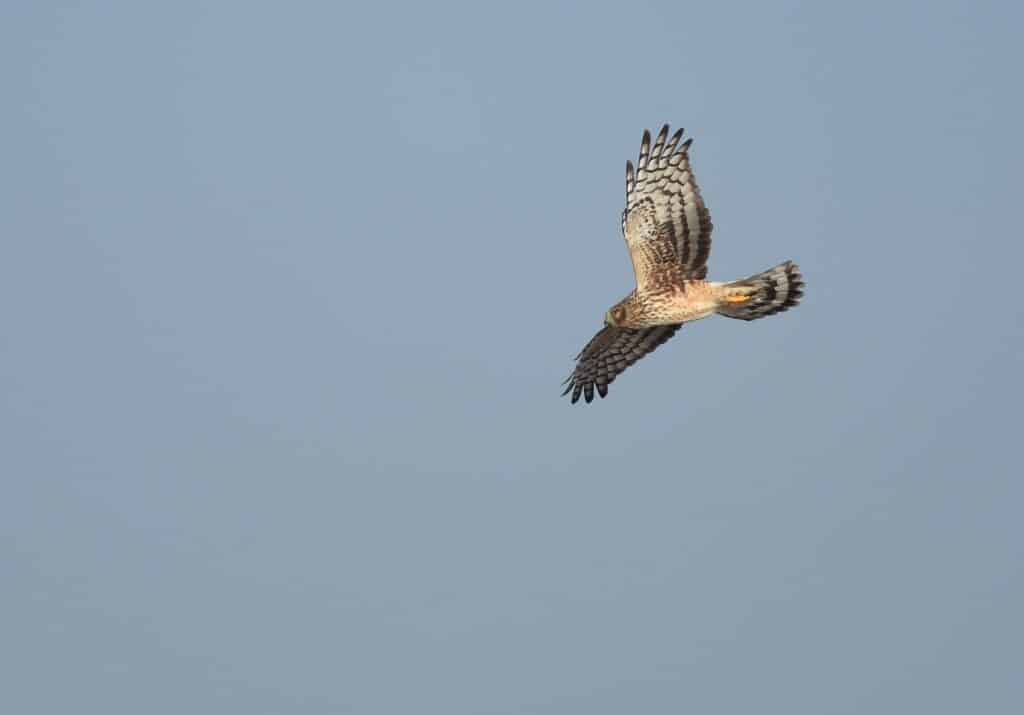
column 287, row 292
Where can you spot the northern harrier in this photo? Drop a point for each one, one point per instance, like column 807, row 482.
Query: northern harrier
column 667, row 229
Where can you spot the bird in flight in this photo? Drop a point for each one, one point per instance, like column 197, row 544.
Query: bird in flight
column 667, row 228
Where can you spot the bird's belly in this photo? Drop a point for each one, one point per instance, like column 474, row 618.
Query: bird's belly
column 697, row 301
column 687, row 309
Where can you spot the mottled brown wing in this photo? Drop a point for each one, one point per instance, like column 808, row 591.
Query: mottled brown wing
column 666, row 224
column 608, row 354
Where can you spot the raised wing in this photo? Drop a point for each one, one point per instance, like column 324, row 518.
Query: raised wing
column 608, row 354
column 666, row 224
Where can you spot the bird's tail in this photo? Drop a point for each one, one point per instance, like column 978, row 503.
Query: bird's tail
column 763, row 294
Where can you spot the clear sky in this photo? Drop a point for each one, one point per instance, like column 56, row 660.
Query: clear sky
column 287, row 292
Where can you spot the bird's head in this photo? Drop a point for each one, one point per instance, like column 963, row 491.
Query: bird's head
column 616, row 316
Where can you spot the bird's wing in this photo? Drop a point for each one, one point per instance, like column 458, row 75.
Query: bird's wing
column 666, row 224
column 609, row 353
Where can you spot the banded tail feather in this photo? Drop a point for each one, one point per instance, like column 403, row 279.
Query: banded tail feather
column 763, row 294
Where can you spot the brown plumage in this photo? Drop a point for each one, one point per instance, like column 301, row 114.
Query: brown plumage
column 667, row 228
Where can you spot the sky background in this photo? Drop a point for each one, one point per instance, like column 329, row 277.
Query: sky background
column 287, row 292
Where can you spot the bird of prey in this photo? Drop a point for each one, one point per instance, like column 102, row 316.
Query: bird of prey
column 667, row 228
